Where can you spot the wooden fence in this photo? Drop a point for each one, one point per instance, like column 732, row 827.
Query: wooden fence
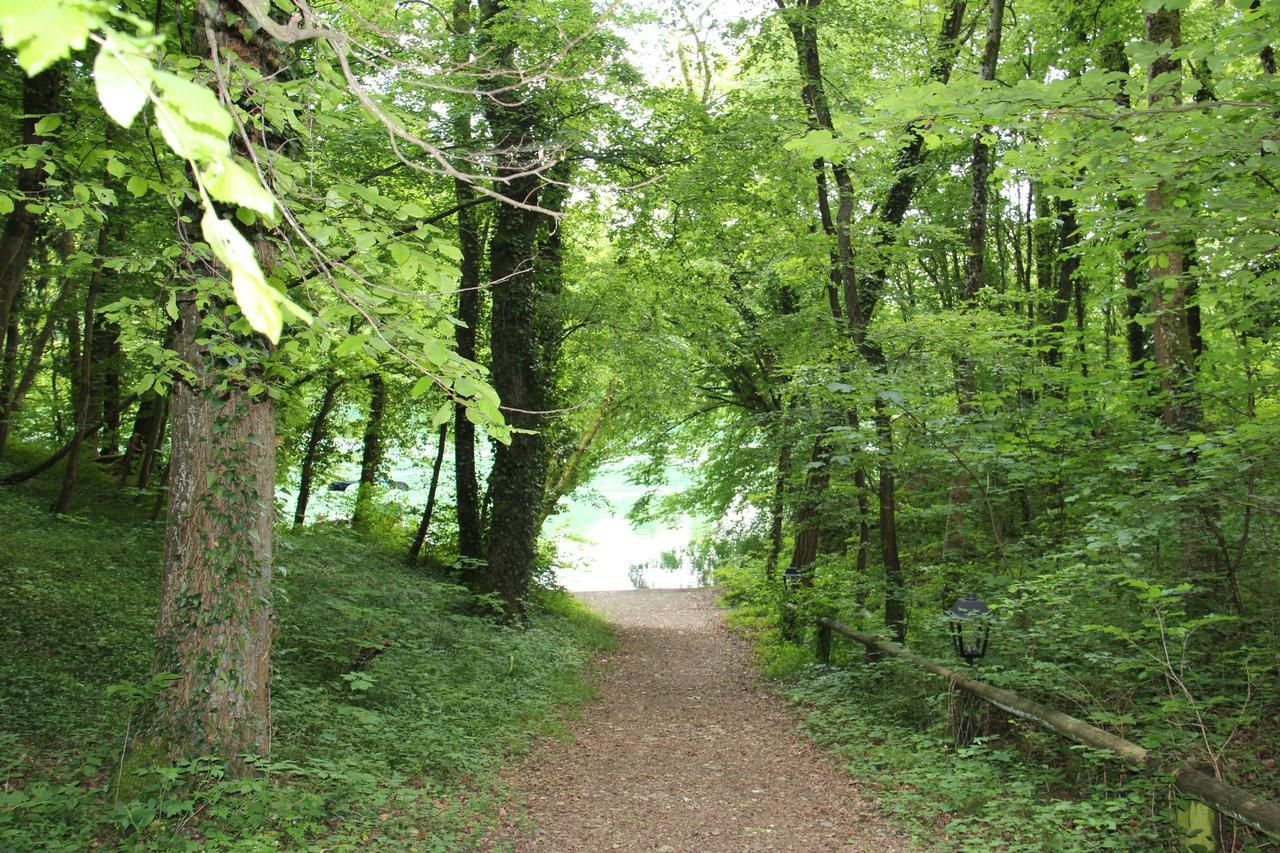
column 1260, row 813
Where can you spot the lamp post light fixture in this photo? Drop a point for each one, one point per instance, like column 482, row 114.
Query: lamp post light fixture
column 792, row 577
column 972, row 644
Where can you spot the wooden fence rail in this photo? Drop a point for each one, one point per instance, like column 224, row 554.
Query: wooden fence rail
column 1260, row 813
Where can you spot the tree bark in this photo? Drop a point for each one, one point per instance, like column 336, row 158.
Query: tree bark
column 861, row 307
column 106, row 383
column 421, row 536
column 1066, row 266
column 214, row 629
column 315, row 438
column 524, row 271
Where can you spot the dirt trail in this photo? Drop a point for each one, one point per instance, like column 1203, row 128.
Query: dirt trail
column 686, row 752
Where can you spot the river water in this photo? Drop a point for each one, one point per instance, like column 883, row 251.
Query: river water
column 599, row 548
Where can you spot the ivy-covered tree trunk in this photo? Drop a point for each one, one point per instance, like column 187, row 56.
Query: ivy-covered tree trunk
column 525, row 260
column 215, row 624
column 214, row 630
column 519, row 468
column 525, row 342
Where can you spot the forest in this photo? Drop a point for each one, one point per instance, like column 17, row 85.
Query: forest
column 915, row 299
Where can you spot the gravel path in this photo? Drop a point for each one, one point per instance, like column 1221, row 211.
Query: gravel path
column 686, row 752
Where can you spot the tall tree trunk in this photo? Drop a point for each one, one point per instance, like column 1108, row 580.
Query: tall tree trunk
column 861, row 305
column 974, row 276
column 524, row 272
column 84, row 379
column 1115, row 59
column 895, row 594
column 470, row 244
column 371, row 454
column 801, row 23
column 1170, row 331
column 9, row 339
column 315, row 438
column 862, row 294
column 1171, row 327
column 524, row 266
column 423, row 526
column 214, row 626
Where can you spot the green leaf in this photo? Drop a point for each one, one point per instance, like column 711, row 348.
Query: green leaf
column 442, row 414
column 819, row 143
column 259, row 301
column 48, row 124
column 197, row 104
column 45, row 31
column 137, row 185
column 226, row 180
column 189, row 141
column 400, row 253
column 6, row 205
column 123, row 81
column 71, row 217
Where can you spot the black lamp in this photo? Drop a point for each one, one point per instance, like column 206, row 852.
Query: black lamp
column 968, row 609
column 791, row 577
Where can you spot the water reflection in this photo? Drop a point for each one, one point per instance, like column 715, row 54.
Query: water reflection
column 695, row 561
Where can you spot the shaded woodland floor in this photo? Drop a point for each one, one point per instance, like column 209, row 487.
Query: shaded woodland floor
column 686, row 751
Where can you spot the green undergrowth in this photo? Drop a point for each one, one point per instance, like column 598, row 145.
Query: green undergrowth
column 1014, row 788
column 396, row 695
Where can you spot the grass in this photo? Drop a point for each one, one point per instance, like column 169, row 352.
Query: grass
column 402, row 753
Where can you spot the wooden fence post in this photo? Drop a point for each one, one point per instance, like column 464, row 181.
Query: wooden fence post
column 824, row 643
